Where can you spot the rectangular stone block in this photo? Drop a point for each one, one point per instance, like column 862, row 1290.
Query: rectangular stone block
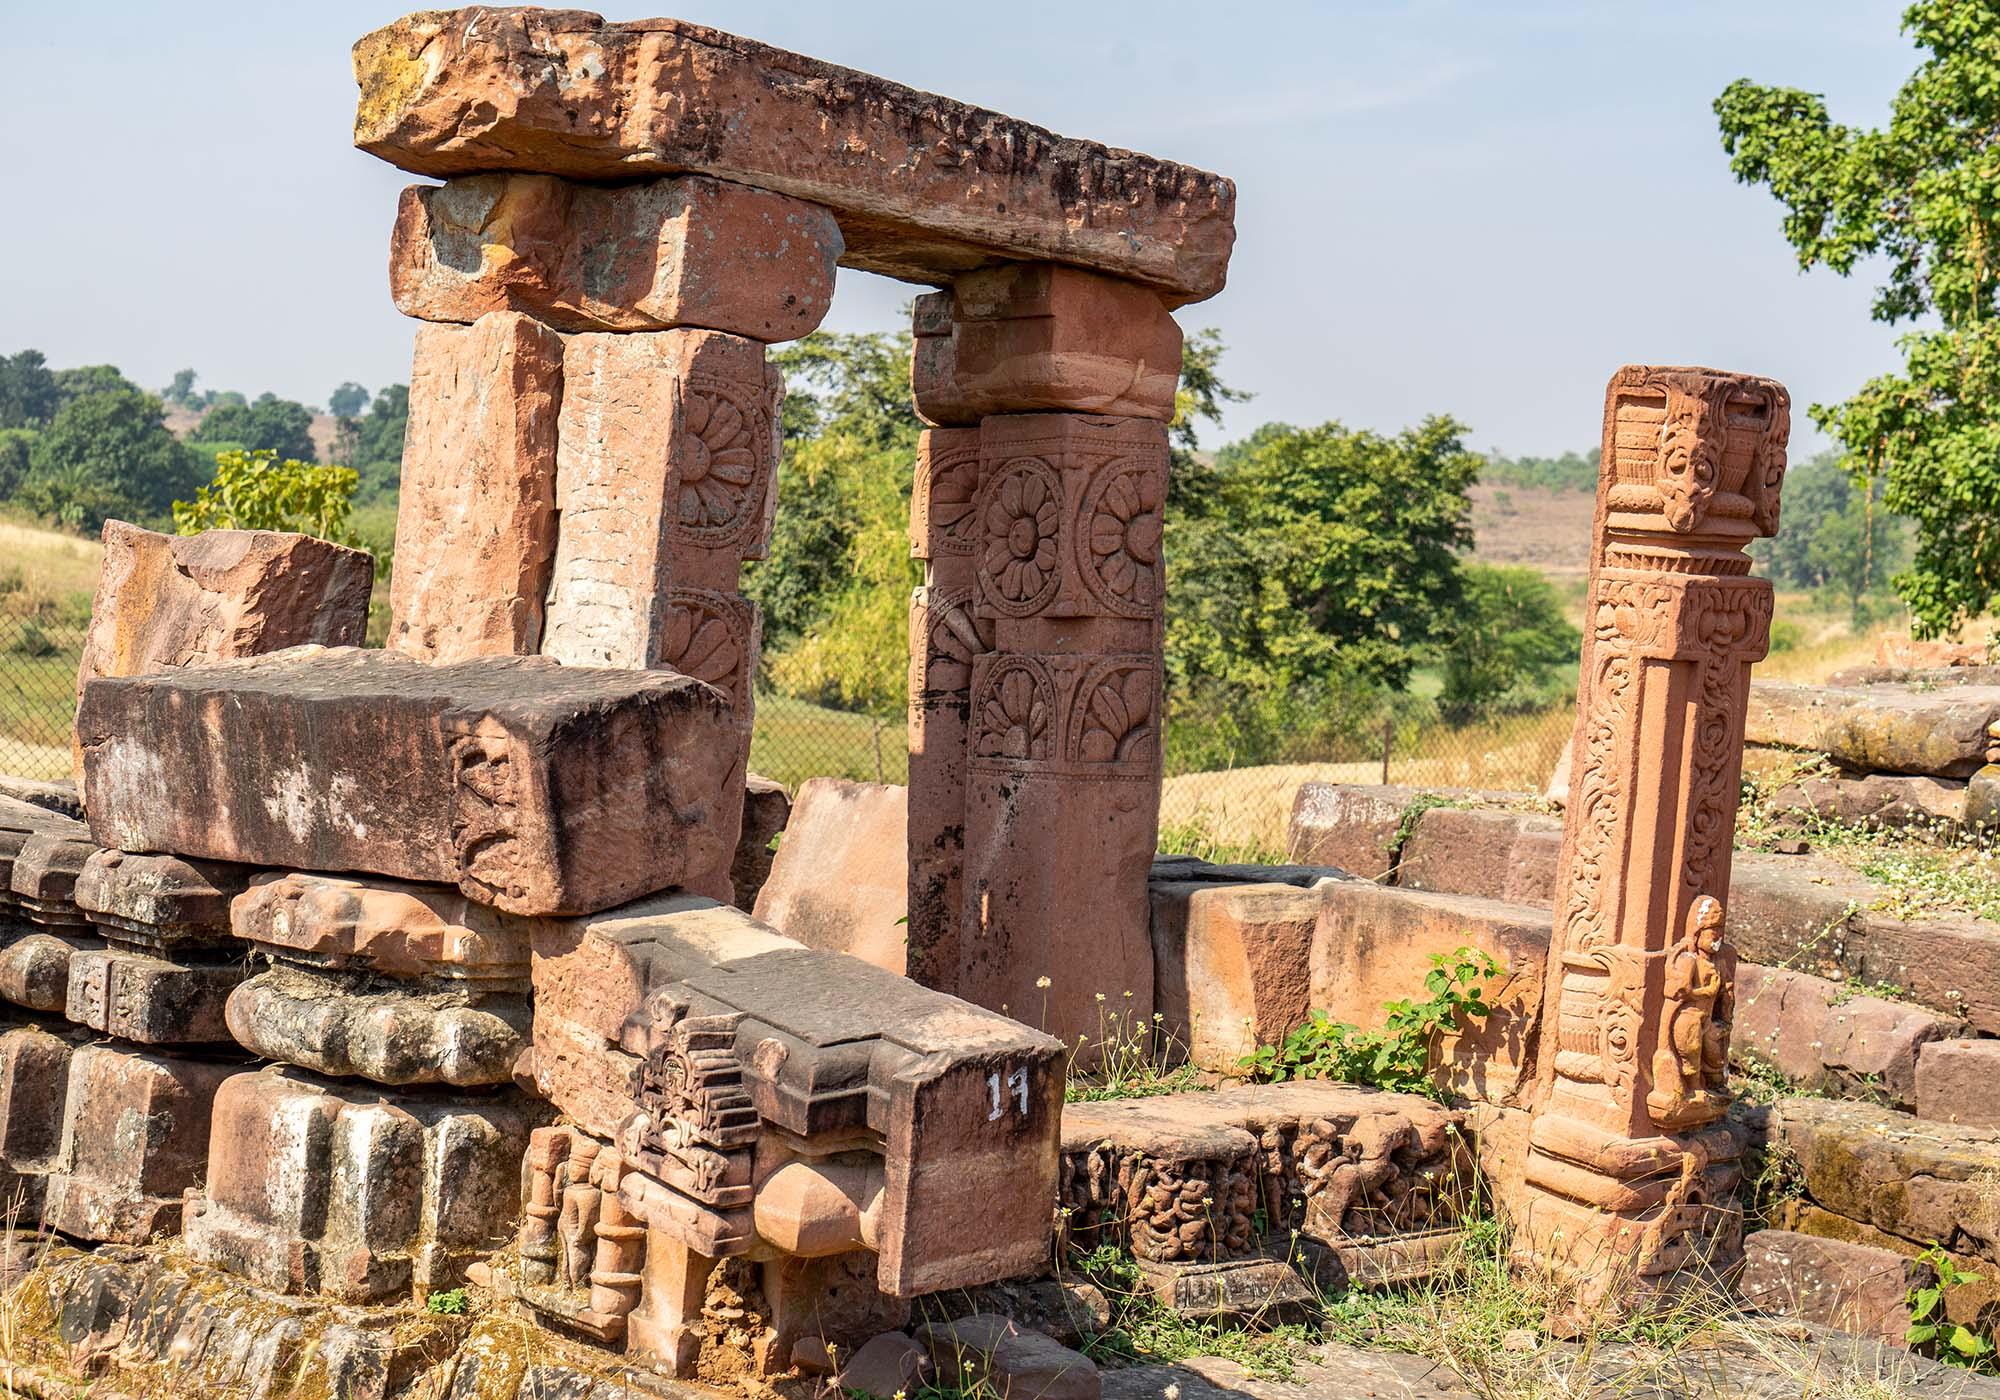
column 358, row 1196
column 476, row 527
column 857, row 830
column 666, row 482
column 1877, row 800
column 924, row 187
column 34, row 1083
column 1231, row 966
column 1040, row 338
column 1509, row 856
column 384, row 927
column 43, row 871
column 1947, row 732
column 685, row 251
column 1848, row 1287
column 512, row 777
column 1820, row 1037
column 1956, row 1080
column 151, row 1000
column 1354, row 827
column 159, row 901
column 135, row 1138
column 1373, row 945
column 184, row 600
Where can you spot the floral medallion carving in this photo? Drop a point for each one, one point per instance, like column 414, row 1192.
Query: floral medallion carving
column 948, row 494
column 704, row 635
column 955, row 639
column 1020, row 520
column 1014, row 714
column 1115, row 719
column 722, row 454
column 1120, row 531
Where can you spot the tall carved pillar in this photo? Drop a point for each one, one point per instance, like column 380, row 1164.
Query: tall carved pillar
column 1631, row 1174
column 1036, row 640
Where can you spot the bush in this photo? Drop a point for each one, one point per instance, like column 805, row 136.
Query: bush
column 254, row 491
column 1786, row 635
column 32, row 641
column 1513, row 650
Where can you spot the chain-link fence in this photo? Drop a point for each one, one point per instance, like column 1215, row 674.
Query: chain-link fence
column 1235, row 811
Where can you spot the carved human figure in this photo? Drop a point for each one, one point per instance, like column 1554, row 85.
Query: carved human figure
column 1691, row 993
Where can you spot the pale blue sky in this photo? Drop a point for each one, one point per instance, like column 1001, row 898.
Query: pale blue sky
column 1473, row 208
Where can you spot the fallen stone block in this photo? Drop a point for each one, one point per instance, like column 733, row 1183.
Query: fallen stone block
column 42, row 880
column 475, row 523
column 384, row 927
column 57, row 795
column 1352, row 827
column 1969, row 1303
column 151, row 1000
column 1956, row 1082
column 160, row 902
column 513, row 777
column 684, row 251
column 994, row 1353
column 1894, row 800
column 346, row 1192
column 1232, row 967
column 767, row 807
column 1850, row 1287
column 34, row 1083
column 1374, row 945
column 1036, row 337
column 924, row 187
column 1911, row 1177
column 135, row 1137
column 1946, row 732
column 186, row 600
column 841, row 877
column 330, row 1023
column 35, row 969
column 1268, row 1287
column 885, row 1367
column 1820, row 1037
column 1495, row 854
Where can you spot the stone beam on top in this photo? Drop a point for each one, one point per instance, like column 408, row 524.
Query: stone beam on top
column 924, row 188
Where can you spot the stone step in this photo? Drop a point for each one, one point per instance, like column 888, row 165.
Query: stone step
column 1947, row 732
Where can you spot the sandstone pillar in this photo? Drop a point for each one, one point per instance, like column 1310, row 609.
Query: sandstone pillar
column 1632, row 1174
column 1035, row 643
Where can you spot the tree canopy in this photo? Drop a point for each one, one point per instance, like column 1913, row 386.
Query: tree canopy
column 1923, row 196
column 108, row 454
column 269, row 424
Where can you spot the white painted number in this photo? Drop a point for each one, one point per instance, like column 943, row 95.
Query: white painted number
column 1016, row 1088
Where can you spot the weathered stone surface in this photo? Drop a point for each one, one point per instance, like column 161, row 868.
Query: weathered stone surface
column 1373, row 945
column 383, row 926
column 665, row 482
column 767, row 807
column 1956, row 1082
column 886, row 1366
column 1847, row 1286
column 34, row 1084
column 327, row 1022
column 1819, row 1037
column 1037, row 338
column 1982, row 799
column 184, row 600
column 688, row 251
column 58, row 795
column 1911, row 1177
column 1232, row 966
column 841, row 877
column 1203, row 1176
column 513, row 777
column 35, row 967
column 42, row 875
column 1015, row 1364
column 924, row 187
column 341, row 1191
column 1509, row 856
column 1270, row 1288
column 135, row 1137
column 151, row 1000
column 1944, row 732
column 476, row 525
column 1969, row 1303
column 160, row 901
column 1875, row 799
column 1354, row 827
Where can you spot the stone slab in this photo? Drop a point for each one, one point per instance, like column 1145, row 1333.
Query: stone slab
column 1353, row 827
column 993, row 1353
column 513, row 777
column 386, row 927
column 841, row 877
column 160, row 901
column 1495, row 854
column 924, row 187
column 151, row 1000
column 1895, row 800
column 34, row 1084
column 1945, row 732
column 1851, row 1287
column 475, row 520
column 1232, row 966
column 1957, row 1080
column 685, row 251
column 1822, row 1038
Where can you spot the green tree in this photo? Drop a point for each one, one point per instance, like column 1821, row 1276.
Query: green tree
column 1512, row 649
column 107, row 454
column 73, row 384
column 181, row 393
column 15, row 446
column 1837, row 537
column 271, row 424
column 256, row 491
column 28, row 396
column 377, row 452
column 350, row 400
column 1923, row 195
column 1199, row 399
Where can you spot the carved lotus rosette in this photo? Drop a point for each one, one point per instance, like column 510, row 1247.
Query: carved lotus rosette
column 1020, row 511
column 1014, row 712
column 1119, row 528
column 946, row 496
column 1115, row 717
column 722, row 461
column 708, row 636
column 954, row 637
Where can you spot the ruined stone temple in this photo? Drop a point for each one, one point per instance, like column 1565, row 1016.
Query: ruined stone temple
column 372, row 975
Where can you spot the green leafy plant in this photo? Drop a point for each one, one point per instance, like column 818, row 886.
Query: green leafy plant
column 1953, row 1343
column 451, row 1302
column 1400, row 1055
column 256, row 491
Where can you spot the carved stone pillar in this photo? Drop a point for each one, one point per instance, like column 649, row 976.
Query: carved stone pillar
column 1631, row 1173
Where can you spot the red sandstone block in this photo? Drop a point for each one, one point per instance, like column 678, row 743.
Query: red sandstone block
column 1958, row 1081
column 1232, row 966
column 841, row 878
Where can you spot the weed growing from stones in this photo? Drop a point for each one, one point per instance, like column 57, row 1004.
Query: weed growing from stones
column 1136, row 1058
column 1931, row 1331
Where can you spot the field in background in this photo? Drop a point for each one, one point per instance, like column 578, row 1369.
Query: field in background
column 46, row 579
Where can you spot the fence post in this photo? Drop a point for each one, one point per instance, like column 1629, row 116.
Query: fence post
column 1388, row 743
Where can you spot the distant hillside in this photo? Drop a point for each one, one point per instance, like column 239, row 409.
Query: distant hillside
column 1544, row 529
